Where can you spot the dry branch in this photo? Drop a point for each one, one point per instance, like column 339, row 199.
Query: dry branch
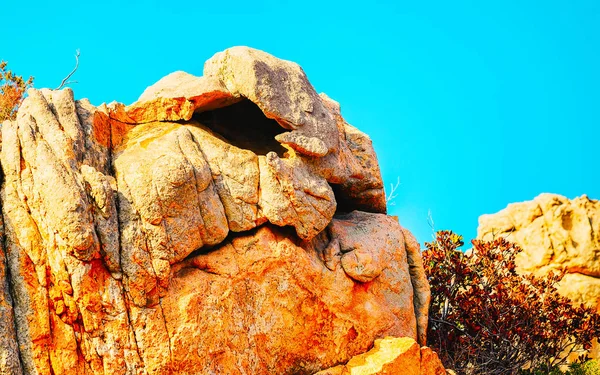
column 66, row 81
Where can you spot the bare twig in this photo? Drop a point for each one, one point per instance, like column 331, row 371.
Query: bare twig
column 442, row 321
column 393, row 193
column 431, row 222
column 66, row 81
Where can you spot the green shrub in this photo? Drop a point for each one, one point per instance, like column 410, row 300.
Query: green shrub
column 588, row 368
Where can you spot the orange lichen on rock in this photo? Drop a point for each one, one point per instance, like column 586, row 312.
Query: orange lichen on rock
column 232, row 223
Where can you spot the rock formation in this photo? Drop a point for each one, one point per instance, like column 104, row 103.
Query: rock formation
column 232, row 223
column 555, row 233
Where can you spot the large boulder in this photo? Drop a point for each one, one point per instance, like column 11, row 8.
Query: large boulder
column 557, row 234
column 232, row 223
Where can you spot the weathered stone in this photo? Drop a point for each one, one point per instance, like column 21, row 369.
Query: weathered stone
column 9, row 351
column 190, row 233
column 175, row 97
column 282, row 91
column 329, row 146
column 258, row 289
column 169, row 205
column 418, row 277
column 555, row 234
column 430, row 362
column 291, row 195
column 61, row 239
column 391, row 356
column 235, row 173
column 364, row 191
column 353, row 167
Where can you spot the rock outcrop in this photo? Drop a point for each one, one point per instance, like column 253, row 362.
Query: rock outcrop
column 558, row 234
column 227, row 224
column 555, row 233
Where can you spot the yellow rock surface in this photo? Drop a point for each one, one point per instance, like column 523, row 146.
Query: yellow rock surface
column 555, row 233
column 226, row 224
column 389, row 356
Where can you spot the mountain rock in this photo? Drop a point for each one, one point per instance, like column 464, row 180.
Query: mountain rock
column 227, row 224
column 557, row 234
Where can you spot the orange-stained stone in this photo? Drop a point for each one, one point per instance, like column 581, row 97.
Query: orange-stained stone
column 430, row 362
column 391, row 356
column 154, row 239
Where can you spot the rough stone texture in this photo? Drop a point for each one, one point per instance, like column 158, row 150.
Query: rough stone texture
column 175, row 97
column 62, row 240
column 9, row 351
column 283, row 93
column 555, row 233
column 391, row 356
column 418, row 277
column 199, row 231
column 430, row 362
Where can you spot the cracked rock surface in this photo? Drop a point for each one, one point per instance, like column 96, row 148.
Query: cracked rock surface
column 227, row 224
column 555, row 233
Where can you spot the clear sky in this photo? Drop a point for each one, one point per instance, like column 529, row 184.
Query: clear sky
column 472, row 104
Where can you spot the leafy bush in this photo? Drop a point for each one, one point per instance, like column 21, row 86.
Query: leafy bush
column 587, row 368
column 487, row 319
column 12, row 90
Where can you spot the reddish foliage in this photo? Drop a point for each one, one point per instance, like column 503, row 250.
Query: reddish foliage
column 485, row 318
column 12, row 90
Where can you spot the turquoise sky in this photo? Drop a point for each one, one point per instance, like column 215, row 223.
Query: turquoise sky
column 472, row 104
